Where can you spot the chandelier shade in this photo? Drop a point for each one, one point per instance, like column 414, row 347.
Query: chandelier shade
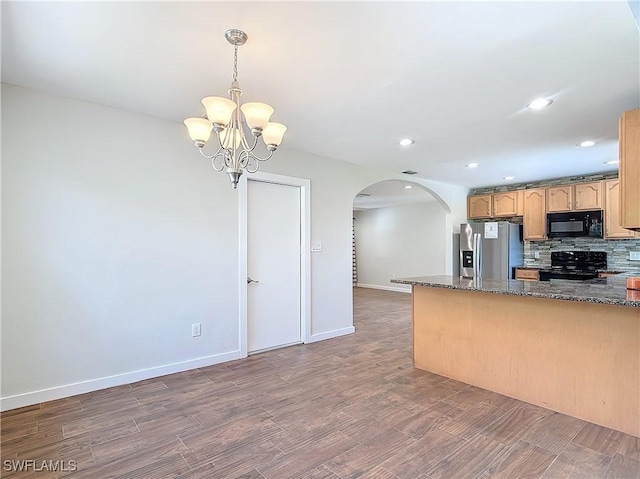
column 228, row 118
column 273, row 133
column 257, row 114
column 219, row 109
column 199, row 129
column 230, row 137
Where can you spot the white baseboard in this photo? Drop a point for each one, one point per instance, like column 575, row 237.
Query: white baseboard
column 58, row 392
column 398, row 289
column 331, row 334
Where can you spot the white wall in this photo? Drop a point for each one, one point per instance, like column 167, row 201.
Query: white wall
column 404, row 241
column 117, row 235
column 114, row 242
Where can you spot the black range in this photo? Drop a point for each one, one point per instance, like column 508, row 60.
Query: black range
column 574, row 265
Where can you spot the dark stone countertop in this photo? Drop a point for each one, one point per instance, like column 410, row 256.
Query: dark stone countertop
column 611, row 290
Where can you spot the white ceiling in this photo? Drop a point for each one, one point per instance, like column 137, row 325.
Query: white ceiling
column 391, row 193
column 351, row 79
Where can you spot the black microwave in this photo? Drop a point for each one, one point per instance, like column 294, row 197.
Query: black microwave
column 574, row 224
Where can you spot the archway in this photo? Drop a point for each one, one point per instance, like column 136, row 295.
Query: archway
column 401, row 229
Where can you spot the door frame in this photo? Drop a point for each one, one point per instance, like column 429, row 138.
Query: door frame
column 305, row 253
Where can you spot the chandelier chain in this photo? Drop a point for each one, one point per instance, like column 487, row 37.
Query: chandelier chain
column 235, row 63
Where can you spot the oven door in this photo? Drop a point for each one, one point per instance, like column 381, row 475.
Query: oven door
column 546, row 275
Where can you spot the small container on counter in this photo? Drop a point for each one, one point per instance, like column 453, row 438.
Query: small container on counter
column 633, row 282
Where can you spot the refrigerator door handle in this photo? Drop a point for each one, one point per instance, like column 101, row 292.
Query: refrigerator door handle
column 475, row 253
column 478, row 254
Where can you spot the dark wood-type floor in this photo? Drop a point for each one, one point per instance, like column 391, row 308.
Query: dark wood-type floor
column 343, row 408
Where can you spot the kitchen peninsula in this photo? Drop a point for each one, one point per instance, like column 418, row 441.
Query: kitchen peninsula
column 573, row 347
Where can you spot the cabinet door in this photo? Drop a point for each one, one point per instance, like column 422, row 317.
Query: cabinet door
column 588, row 196
column 630, row 169
column 612, row 228
column 559, row 198
column 505, row 204
column 527, row 274
column 535, row 217
column 606, row 275
column 479, row 206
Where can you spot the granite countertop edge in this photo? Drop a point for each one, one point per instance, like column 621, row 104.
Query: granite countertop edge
column 502, row 287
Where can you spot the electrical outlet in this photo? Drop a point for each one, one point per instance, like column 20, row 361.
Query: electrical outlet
column 195, row 330
column 634, row 255
column 536, row 254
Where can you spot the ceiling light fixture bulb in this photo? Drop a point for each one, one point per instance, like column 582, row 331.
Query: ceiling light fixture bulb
column 406, row 142
column 539, row 103
column 472, row 165
column 407, row 187
column 586, row 143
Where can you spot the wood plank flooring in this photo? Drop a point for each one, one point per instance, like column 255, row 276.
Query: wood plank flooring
column 344, row 408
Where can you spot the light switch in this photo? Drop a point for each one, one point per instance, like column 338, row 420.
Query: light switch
column 316, row 246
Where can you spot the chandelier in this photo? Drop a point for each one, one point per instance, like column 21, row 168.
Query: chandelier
column 225, row 118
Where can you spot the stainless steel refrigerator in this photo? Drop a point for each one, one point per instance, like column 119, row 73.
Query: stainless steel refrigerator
column 490, row 250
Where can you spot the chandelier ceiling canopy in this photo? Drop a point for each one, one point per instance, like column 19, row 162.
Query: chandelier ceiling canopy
column 229, row 119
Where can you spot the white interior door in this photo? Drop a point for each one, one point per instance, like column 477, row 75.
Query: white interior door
column 273, row 265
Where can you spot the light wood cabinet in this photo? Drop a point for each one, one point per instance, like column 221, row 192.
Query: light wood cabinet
column 588, row 196
column 559, row 198
column 612, row 228
column 527, row 274
column 630, row 169
column 535, row 217
column 480, row 206
column 508, row 203
column 606, row 275
column 581, row 196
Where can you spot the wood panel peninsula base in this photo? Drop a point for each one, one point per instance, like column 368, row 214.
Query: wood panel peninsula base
column 576, row 357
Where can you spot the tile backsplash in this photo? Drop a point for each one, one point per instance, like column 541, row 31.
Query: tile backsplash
column 541, row 184
column 617, row 251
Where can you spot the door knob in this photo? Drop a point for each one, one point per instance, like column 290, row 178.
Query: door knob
column 249, row 280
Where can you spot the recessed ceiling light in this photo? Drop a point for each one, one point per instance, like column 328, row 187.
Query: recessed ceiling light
column 586, row 143
column 472, row 165
column 406, row 142
column 612, row 162
column 508, row 178
column 408, row 187
column 539, row 103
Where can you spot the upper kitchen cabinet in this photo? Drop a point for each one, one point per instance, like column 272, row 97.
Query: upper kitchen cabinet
column 630, row 169
column 509, row 203
column 612, row 212
column 581, row 196
column 588, row 196
column 479, row 206
column 535, row 217
column 559, row 198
